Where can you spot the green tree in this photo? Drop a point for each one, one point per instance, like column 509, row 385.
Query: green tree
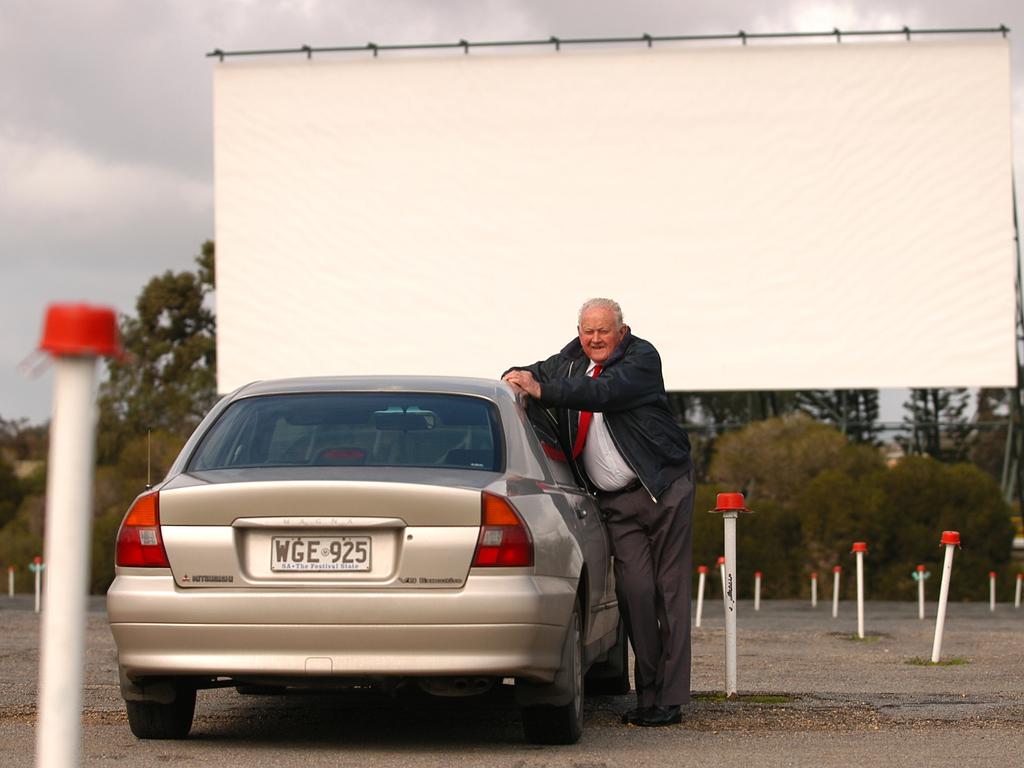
column 833, row 510
column 814, row 493
column 988, row 446
column 709, row 415
column 773, row 462
column 853, row 411
column 21, row 441
column 21, row 539
column 938, row 423
column 725, row 410
column 144, row 459
column 11, row 492
column 774, row 459
column 924, row 497
column 153, row 398
column 167, row 380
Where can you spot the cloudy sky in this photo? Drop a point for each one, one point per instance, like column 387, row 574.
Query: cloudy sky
column 105, row 118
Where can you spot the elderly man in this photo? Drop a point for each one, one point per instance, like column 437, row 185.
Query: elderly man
column 613, row 412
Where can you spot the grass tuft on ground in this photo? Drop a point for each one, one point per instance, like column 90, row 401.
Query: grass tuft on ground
column 919, row 661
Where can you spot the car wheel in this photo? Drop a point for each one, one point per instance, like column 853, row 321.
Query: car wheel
column 154, row 720
column 562, row 724
column 611, row 676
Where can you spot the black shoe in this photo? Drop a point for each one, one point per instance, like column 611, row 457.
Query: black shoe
column 657, row 716
column 633, row 716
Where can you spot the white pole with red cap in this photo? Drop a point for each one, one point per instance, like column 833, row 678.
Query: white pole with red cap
column 36, row 566
column 703, row 575
column 814, row 589
column 860, row 548
column 950, row 539
column 1016, row 597
column 76, row 335
column 730, row 505
column 757, row 590
column 920, row 575
column 992, row 590
column 835, row 590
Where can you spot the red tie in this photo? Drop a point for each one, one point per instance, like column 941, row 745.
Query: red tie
column 585, row 418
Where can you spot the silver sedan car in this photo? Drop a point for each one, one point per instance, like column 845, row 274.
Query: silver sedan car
column 368, row 532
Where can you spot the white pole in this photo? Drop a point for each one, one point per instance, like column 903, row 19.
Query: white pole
column 730, row 505
column 10, row 581
column 992, row 590
column 1016, row 597
column 730, row 602
column 920, row 591
column 703, row 571
column 860, row 595
column 950, row 539
column 814, row 590
column 38, row 570
column 68, row 529
column 835, row 590
column 859, row 548
column 757, row 590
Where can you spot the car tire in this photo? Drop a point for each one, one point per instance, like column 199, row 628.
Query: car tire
column 611, row 676
column 154, row 720
column 562, row 724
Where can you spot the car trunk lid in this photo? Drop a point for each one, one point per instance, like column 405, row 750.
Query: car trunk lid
column 302, row 532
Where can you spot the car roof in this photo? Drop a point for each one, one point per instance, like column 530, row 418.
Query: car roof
column 442, row 384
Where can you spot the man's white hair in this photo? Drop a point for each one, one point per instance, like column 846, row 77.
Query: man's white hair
column 608, row 304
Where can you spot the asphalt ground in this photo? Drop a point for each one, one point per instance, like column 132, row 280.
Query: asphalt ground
column 811, row 694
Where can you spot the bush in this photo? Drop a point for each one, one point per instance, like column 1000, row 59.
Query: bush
column 924, row 497
column 20, row 542
column 773, row 459
column 814, row 495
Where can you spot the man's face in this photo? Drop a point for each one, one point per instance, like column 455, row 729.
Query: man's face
column 599, row 334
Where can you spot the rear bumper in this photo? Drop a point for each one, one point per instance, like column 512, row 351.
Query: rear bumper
column 508, row 625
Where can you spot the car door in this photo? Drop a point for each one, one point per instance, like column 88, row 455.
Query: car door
column 585, row 521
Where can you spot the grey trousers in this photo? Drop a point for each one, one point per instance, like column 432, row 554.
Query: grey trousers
column 652, row 545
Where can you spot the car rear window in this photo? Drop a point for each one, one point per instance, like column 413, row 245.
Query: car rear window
column 353, row 429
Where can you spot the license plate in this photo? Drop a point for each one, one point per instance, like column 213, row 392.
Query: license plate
column 320, row 553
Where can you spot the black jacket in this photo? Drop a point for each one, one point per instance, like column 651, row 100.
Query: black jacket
column 630, row 392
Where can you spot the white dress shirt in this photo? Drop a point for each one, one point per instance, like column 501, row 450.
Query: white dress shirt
column 601, row 459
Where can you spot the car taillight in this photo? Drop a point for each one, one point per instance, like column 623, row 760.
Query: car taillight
column 504, row 538
column 139, row 542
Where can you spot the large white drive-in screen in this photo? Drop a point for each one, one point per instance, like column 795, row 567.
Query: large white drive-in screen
column 771, row 217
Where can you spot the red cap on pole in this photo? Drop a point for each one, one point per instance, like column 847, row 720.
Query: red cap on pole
column 757, row 574
column 950, row 537
column 860, row 546
column 814, row 575
column 730, row 502
column 702, row 569
column 37, row 559
column 920, row 568
column 837, row 569
column 721, row 560
column 991, row 574
column 80, row 330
